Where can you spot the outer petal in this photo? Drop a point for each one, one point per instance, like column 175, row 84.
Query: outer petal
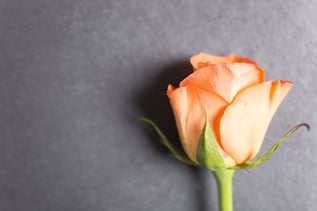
column 203, row 59
column 189, row 104
column 245, row 122
column 225, row 79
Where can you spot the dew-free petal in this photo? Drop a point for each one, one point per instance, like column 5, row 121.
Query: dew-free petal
column 245, row 121
column 189, row 106
column 226, row 80
column 201, row 60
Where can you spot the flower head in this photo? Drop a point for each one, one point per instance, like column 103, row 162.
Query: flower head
column 238, row 103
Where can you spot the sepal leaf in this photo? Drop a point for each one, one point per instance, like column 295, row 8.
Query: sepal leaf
column 260, row 160
column 175, row 152
column 208, row 154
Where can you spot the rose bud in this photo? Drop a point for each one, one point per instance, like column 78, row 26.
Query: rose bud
column 228, row 97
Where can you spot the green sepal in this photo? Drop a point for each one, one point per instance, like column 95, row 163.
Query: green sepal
column 260, row 160
column 208, row 154
column 175, row 152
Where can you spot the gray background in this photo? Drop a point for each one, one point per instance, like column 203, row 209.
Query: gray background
column 75, row 75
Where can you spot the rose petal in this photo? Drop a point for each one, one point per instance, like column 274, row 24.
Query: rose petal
column 189, row 104
column 245, row 122
column 203, row 59
column 225, row 79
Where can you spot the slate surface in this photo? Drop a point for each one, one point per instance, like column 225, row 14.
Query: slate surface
column 75, row 75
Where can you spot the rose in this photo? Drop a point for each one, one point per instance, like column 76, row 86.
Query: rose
column 238, row 103
column 222, row 111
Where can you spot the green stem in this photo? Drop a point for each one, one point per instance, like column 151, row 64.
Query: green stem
column 224, row 183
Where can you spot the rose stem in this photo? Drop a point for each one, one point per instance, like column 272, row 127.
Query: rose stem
column 224, row 183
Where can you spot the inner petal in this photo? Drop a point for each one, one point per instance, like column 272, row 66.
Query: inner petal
column 203, row 59
column 226, row 80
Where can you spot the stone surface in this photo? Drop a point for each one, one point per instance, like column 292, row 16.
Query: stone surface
column 75, row 75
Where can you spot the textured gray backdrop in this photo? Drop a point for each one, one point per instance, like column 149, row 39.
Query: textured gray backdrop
column 75, row 75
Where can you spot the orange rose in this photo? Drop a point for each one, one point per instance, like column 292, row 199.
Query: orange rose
column 239, row 104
